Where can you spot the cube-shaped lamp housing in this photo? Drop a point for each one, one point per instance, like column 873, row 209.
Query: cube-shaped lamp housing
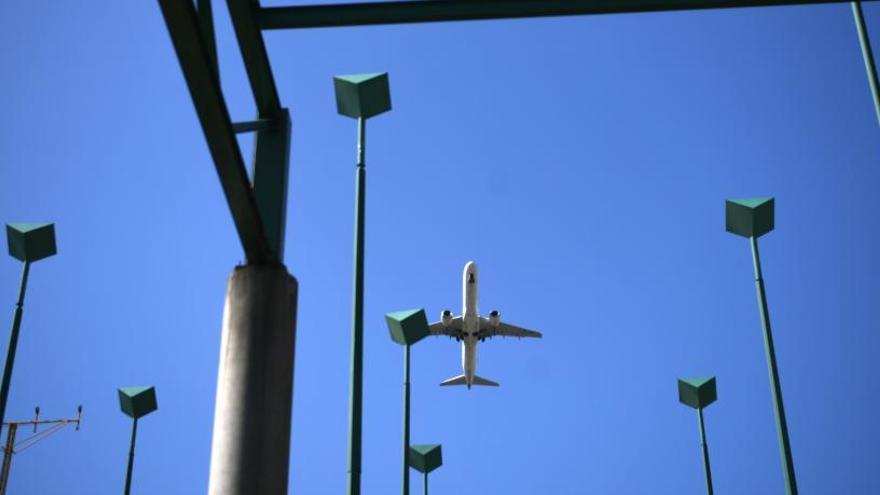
column 137, row 401
column 425, row 458
column 362, row 95
column 749, row 217
column 31, row 241
column 697, row 392
column 407, row 327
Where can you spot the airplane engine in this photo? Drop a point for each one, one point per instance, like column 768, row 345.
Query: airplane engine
column 446, row 317
column 494, row 318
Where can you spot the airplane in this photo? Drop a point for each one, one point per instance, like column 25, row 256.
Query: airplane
column 470, row 328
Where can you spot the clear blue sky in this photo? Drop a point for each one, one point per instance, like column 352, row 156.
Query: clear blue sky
column 582, row 162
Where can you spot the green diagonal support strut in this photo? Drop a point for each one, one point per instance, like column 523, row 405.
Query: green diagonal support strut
column 867, row 54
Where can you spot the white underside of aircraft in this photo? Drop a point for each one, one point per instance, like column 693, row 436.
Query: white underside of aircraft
column 470, row 328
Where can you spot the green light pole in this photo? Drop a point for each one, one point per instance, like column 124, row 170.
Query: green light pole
column 425, row 458
column 699, row 393
column 135, row 402
column 359, row 96
column 28, row 242
column 407, row 328
column 753, row 218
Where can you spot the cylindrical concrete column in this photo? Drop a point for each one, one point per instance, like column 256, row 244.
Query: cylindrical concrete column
column 251, row 444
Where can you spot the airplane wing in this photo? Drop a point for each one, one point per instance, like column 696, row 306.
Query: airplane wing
column 454, row 329
column 487, row 329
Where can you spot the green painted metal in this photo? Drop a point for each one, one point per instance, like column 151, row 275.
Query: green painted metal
column 417, row 11
column 697, row 392
column 867, row 55
column 253, row 126
column 406, row 411
column 206, row 25
column 362, row 95
column 271, row 167
column 705, row 448
column 425, row 458
column 137, row 402
column 130, row 468
column 773, row 370
column 365, row 88
column 752, row 217
column 357, row 327
column 31, row 241
column 204, row 87
column 407, row 327
column 256, row 59
column 13, row 341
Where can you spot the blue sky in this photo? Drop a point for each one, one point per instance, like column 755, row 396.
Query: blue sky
column 582, row 162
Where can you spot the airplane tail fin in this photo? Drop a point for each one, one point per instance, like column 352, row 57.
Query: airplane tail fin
column 462, row 380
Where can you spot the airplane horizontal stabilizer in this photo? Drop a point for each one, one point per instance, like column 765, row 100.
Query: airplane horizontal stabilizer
column 478, row 380
column 455, row 380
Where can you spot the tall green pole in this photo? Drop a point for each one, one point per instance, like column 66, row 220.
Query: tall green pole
column 775, row 387
column 134, row 429
column 867, row 54
column 705, row 448
column 357, row 324
column 425, row 491
column 359, row 96
column 406, row 419
column 13, row 340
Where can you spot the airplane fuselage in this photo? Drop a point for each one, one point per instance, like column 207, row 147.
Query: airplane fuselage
column 470, row 316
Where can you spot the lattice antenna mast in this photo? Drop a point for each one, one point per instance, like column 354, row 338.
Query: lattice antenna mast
column 13, row 448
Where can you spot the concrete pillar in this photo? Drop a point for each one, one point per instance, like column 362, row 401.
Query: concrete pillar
column 251, row 445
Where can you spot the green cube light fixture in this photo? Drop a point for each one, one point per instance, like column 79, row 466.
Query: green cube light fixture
column 362, row 95
column 31, row 241
column 751, row 217
column 407, row 327
column 697, row 392
column 137, row 402
column 425, row 458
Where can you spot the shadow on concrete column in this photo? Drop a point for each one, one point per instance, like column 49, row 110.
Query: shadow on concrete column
column 251, row 444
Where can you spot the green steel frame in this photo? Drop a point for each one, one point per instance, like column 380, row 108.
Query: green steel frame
column 259, row 207
column 417, row 11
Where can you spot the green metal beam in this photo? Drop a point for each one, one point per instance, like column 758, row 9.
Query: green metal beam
column 253, row 53
column 271, row 166
column 415, row 11
column 204, row 87
column 867, row 55
column 206, row 24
